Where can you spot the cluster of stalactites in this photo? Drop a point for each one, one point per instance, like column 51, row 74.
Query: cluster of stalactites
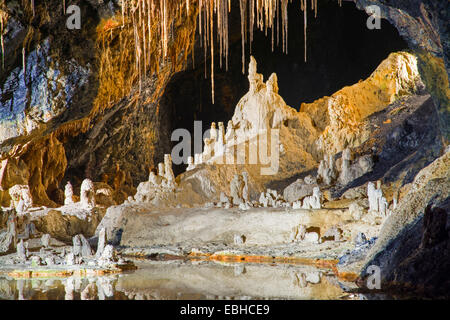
column 212, row 21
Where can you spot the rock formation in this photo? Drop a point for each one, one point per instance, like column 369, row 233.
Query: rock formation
column 87, row 194
column 21, row 198
column 68, row 194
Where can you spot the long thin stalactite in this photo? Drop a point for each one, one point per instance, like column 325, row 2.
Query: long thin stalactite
column 213, row 26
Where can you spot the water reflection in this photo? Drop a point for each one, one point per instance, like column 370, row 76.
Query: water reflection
column 181, row 280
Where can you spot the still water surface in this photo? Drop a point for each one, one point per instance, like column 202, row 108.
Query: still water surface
column 179, row 280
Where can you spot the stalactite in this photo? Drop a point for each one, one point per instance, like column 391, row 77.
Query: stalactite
column 2, row 45
column 213, row 25
column 24, row 63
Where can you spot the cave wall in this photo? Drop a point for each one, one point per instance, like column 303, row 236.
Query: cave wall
column 424, row 26
column 52, row 129
column 44, row 106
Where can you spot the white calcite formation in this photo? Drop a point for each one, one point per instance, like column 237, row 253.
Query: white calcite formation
column 327, row 170
column 21, row 252
column 377, row 202
column 45, row 240
column 108, row 256
column 344, row 177
column 219, row 145
column 191, row 164
column 168, row 172
column 351, row 171
column 68, row 194
column 297, row 204
column 87, row 194
column 161, row 171
column 298, row 233
column 356, row 211
column 314, row 201
column 21, row 198
column 259, row 111
column 300, row 189
column 271, row 198
column 102, row 241
column 312, row 237
column 159, row 186
column 236, row 189
column 239, row 239
column 198, row 159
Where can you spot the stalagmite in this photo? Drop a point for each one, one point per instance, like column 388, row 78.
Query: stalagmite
column 170, row 177
column 68, row 194
column 230, row 134
column 373, row 201
column 345, row 166
column 198, row 159
column 236, row 187
column 245, row 194
column 219, row 145
column 213, row 132
column 327, row 171
column 87, row 194
column 161, row 171
column 21, row 198
column 102, row 242
column 191, row 165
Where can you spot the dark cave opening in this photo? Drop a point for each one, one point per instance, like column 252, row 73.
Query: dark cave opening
column 341, row 50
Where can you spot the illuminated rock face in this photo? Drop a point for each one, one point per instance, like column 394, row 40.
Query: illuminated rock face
column 339, row 116
column 261, row 108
